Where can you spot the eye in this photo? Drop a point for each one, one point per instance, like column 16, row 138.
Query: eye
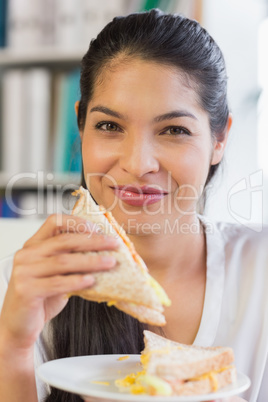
column 107, row 126
column 176, row 130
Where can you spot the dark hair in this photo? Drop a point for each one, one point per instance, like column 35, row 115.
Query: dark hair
column 90, row 328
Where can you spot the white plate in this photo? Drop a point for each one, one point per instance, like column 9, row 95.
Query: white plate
column 77, row 375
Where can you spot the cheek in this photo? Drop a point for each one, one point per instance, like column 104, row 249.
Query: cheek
column 94, row 165
column 96, row 158
column 190, row 167
column 190, row 176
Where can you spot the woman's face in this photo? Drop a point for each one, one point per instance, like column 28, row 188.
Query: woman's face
column 147, row 145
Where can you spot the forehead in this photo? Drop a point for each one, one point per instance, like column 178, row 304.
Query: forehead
column 146, row 79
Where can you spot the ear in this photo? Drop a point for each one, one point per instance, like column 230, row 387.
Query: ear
column 219, row 146
column 76, row 108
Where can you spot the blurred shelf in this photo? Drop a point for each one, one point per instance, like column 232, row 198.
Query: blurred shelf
column 41, row 56
column 40, row 180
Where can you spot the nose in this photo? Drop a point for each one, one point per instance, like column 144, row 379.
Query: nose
column 138, row 155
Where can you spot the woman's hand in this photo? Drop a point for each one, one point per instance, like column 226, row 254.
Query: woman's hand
column 51, row 264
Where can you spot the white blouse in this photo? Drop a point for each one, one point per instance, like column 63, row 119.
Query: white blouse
column 235, row 310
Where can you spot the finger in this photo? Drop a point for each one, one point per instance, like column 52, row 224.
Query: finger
column 65, row 243
column 59, row 223
column 53, row 286
column 71, row 242
column 63, row 264
column 63, row 284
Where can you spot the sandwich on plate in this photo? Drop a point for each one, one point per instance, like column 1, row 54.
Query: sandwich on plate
column 128, row 287
column 171, row 368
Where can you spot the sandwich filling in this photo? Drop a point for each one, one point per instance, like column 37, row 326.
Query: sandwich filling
column 171, row 368
column 148, row 384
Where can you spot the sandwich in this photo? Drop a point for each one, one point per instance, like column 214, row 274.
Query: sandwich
column 129, row 287
column 171, row 368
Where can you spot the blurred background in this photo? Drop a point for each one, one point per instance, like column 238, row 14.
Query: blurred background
column 41, row 45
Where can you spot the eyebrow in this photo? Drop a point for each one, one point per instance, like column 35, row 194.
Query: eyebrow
column 173, row 115
column 167, row 116
column 107, row 111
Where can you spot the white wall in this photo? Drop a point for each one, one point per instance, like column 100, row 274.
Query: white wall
column 234, row 25
column 15, row 232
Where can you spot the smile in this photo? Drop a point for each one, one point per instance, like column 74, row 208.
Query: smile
column 139, row 196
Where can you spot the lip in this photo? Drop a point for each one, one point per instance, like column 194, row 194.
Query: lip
column 139, row 195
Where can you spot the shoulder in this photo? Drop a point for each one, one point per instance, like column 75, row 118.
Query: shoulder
column 250, row 229
column 237, row 233
column 237, row 245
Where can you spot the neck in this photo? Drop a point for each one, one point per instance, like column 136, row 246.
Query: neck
column 177, row 250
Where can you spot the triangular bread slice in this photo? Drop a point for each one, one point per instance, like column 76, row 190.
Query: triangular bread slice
column 166, row 357
column 189, row 369
column 128, row 286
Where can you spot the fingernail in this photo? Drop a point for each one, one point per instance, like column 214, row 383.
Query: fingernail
column 112, row 239
column 108, row 260
column 88, row 278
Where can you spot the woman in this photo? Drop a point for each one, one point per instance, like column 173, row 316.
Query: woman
column 154, row 120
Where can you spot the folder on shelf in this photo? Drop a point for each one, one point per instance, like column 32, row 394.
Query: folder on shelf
column 12, row 120
column 3, row 11
column 67, row 156
column 72, row 162
column 24, row 24
column 37, row 118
